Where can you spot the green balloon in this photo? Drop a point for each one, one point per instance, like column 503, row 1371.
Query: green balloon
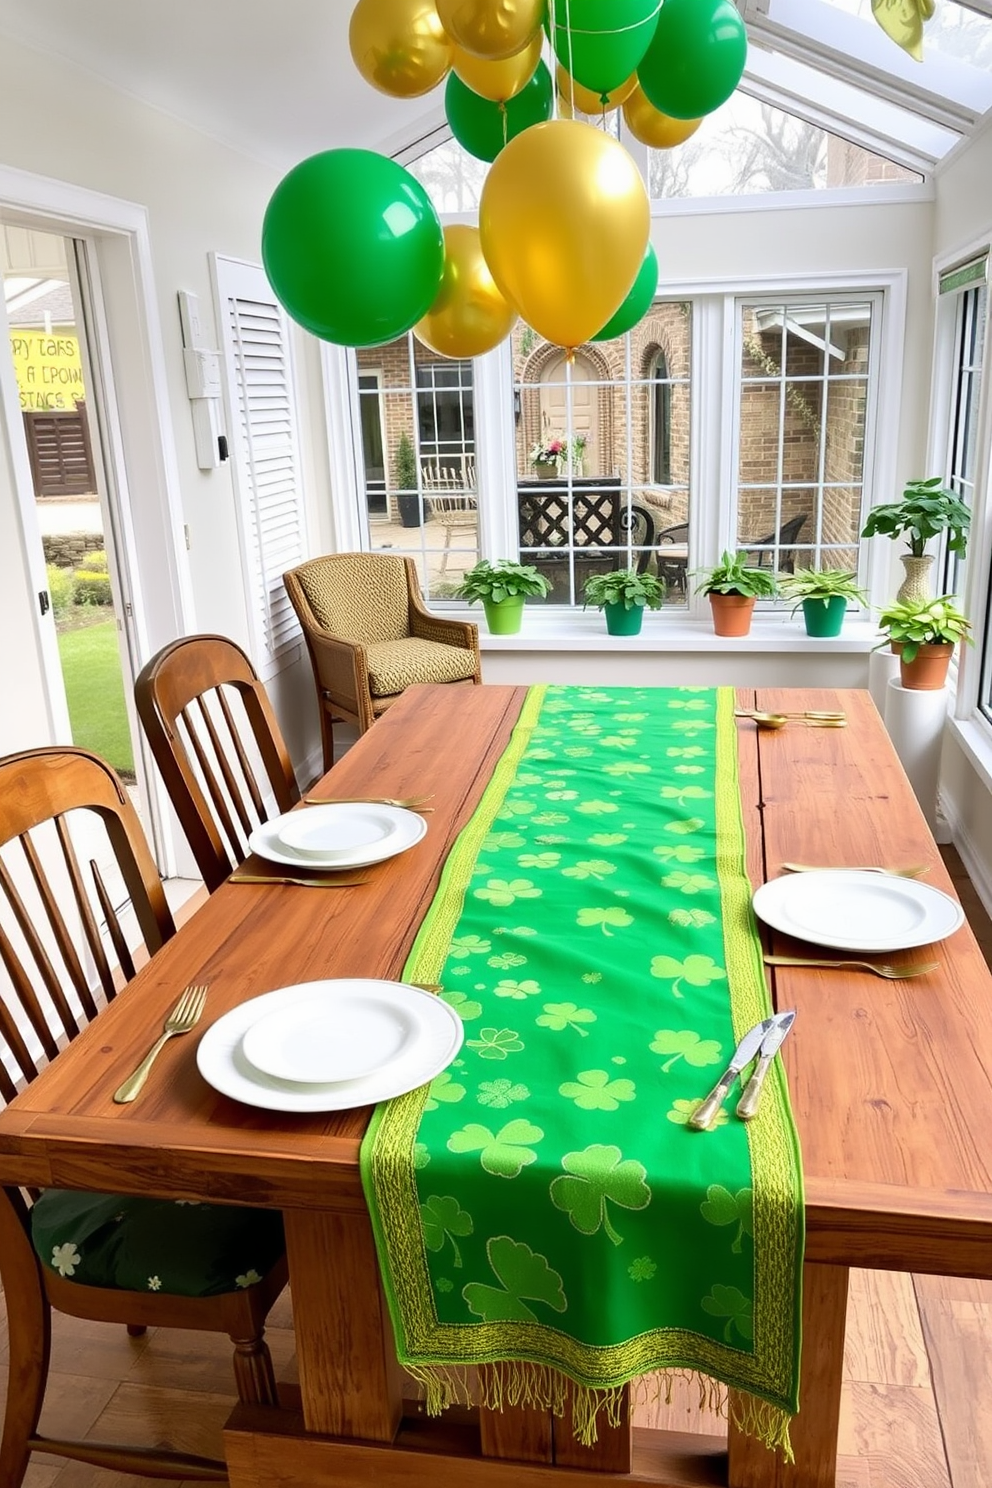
column 638, row 300
column 477, row 123
column 353, row 247
column 603, row 40
column 696, row 58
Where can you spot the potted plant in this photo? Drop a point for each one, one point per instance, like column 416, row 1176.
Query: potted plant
column 407, row 498
column 925, row 631
column 926, row 509
column 502, row 586
column 623, row 596
column 733, row 587
column 824, row 595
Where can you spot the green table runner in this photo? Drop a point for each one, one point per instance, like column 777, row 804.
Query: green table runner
column 543, row 1206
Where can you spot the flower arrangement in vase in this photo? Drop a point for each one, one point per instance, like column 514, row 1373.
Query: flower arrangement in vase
column 556, row 453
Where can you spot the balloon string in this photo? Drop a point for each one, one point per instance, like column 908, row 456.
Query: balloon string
column 504, row 120
column 617, row 30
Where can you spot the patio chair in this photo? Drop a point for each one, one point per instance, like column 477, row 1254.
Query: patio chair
column 72, row 852
column 216, row 741
column 762, row 552
column 370, row 635
column 452, row 501
column 673, row 568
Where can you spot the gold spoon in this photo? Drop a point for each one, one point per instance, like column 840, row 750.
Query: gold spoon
column 779, row 720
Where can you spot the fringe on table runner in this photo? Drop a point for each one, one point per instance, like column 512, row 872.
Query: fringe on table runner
column 517, row 1382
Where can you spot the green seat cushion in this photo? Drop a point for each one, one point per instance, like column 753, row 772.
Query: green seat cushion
column 394, row 665
column 181, row 1247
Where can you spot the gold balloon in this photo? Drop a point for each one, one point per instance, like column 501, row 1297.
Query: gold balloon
column 491, row 28
column 585, row 100
column 498, row 81
column 651, row 126
column 564, row 221
column 469, row 315
column 400, row 46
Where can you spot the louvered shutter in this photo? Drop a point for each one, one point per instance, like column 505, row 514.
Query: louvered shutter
column 262, row 425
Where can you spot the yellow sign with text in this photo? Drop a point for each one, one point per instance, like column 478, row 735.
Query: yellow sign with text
column 48, row 369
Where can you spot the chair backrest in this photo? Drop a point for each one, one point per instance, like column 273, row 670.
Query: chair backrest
column 362, row 597
column 73, row 862
column 677, row 534
column 217, row 743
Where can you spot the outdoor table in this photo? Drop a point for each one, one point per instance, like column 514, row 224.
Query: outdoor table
column 890, row 1087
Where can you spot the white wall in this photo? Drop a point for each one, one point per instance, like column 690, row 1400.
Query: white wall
column 200, row 196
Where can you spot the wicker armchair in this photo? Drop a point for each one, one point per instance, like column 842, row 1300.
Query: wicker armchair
column 370, row 636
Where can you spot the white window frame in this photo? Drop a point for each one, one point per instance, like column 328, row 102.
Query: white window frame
column 971, row 661
column 713, row 407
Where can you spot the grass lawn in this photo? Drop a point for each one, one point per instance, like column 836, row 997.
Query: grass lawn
column 91, row 666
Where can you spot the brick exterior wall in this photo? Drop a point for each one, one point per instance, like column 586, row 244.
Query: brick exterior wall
column 662, row 339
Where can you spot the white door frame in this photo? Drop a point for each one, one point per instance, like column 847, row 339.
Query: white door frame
column 144, row 495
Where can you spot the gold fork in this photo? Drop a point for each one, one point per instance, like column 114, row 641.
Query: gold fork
column 408, row 803
column 183, row 1017
column 880, row 968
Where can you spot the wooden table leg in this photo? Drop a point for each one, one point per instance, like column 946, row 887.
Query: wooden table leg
column 523, row 1434
column 814, row 1430
column 349, row 1377
column 613, row 1446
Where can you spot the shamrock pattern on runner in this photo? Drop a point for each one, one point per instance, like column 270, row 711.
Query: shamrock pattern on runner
column 589, row 961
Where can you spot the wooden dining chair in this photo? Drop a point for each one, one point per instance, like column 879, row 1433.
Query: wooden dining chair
column 217, row 744
column 370, row 636
column 80, row 903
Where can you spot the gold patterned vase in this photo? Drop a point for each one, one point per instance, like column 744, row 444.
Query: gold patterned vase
column 915, row 587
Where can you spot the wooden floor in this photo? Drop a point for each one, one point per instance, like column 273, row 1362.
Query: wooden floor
column 915, row 1411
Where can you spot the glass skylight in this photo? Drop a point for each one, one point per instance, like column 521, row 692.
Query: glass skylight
column 748, row 147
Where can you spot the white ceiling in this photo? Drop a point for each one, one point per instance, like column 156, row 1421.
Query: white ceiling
column 278, row 82
column 275, row 81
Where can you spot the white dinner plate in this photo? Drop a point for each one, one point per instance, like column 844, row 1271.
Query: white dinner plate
column 435, row 1040
column 345, row 1031
column 407, row 828
column 340, row 827
column 854, row 911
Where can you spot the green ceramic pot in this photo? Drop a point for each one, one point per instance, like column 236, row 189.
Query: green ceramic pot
column 504, row 618
column 825, row 619
column 623, row 622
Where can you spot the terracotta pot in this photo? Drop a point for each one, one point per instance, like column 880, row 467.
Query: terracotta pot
column 732, row 613
column 927, row 672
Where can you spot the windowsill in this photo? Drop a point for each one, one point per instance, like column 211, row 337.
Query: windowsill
column 561, row 630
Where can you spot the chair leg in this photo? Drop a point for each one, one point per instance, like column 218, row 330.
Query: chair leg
column 326, row 735
column 29, row 1336
column 253, row 1372
column 136, row 1330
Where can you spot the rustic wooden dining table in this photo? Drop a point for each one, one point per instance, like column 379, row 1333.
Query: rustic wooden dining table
column 891, row 1087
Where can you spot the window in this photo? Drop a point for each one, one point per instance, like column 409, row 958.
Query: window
column 802, row 430
column 633, row 452
column 613, row 426
column 417, row 469
column 748, row 146
column 967, row 298
column 373, row 458
column 262, row 422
